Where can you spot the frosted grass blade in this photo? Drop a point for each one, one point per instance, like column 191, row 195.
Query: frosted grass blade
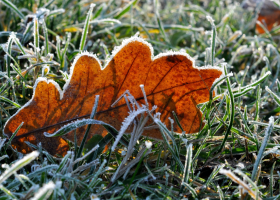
column 86, row 27
column 262, row 148
column 44, row 192
column 18, row 165
column 13, row 8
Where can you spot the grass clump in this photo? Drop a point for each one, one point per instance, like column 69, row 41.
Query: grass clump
column 234, row 156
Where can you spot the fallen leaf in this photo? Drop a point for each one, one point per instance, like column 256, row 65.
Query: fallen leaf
column 268, row 21
column 171, row 82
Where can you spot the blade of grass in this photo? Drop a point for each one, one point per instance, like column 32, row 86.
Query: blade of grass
column 213, row 38
column 13, row 8
column 18, row 165
column 10, row 102
column 93, row 112
column 231, row 113
column 86, row 27
column 126, row 9
column 12, row 137
column 262, row 148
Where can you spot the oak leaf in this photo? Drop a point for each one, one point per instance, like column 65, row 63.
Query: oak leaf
column 171, row 81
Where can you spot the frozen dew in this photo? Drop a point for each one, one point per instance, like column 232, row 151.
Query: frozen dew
column 171, row 120
column 144, row 94
column 157, row 115
column 5, row 48
column 18, row 165
column 6, row 166
column 92, row 5
column 154, row 108
column 158, row 121
column 45, row 70
column 45, row 191
column 225, row 18
column 208, row 32
column 132, row 115
column 50, row 56
column 235, row 35
column 240, row 165
column 31, row 44
column 42, row 48
column 57, row 11
column 13, row 35
column 274, row 150
column 94, row 197
column 182, row 51
column 210, row 19
column 185, row 141
column 57, row 39
column 35, row 167
column 42, row 13
column 107, row 20
column 148, row 144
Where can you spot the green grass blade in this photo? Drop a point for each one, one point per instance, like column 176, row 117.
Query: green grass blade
column 275, row 96
column 10, row 102
column 271, row 180
column 213, row 174
column 160, row 25
column 13, row 8
column 162, row 129
column 93, row 112
column 267, row 74
column 8, row 193
column 8, row 58
column 86, row 27
column 231, row 113
column 126, row 9
column 213, row 39
column 46, row 41
column 191, row 189
column 12, row 137
column 63, row 162
column 262, row 148
column 18, row 165
column 36, row 37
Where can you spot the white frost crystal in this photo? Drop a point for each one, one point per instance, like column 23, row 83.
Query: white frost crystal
column 148, row 144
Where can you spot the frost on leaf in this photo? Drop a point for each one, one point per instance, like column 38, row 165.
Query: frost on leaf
column 172, row 82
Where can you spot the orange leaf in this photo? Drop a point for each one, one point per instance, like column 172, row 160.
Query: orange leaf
column 171, row 82
column 268, row 21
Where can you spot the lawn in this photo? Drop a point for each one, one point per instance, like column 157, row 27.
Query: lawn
column 234, row 153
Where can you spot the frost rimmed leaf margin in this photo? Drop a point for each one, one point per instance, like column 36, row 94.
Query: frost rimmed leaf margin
column 114, row 52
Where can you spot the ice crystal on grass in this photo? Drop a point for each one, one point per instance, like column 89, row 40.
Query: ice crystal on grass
column 210, row 19
column 45, row 191
column 138, row 128
column 18, row 165
column 2, row 142
column 148, row 144
column 133, row 113
column 125, row 124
